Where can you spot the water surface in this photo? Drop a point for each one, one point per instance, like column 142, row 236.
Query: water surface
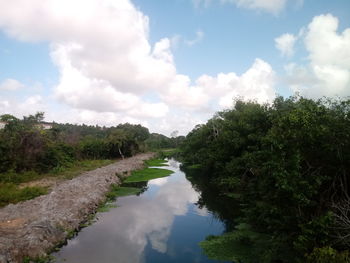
column 163, row 224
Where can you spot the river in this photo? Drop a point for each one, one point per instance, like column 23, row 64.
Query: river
column 163, row 224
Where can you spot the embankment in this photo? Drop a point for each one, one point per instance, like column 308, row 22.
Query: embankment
column 32, row 228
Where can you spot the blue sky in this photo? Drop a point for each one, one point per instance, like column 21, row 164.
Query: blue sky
column 167, row 64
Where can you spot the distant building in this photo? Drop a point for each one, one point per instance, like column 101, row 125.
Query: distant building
column 2, row 124
column 45, row 125
column 42, row 125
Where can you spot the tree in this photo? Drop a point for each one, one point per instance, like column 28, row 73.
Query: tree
column 287, row 164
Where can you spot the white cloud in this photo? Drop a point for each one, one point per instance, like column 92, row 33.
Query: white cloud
column 180, row 93
column 147, row 221
column 325, row 45
column 270, row 6
column 201, row 3
column 11, row 85
column 104, row 40
column 257, row 83
column 285, row 43
column 105, row 60
column 197, row 39
column 158, row 181
column 109, row 72
column 22, row 107
column 328, row 71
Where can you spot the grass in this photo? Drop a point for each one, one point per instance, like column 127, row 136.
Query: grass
column 65, row 172
column 78, row 167
column 17, row 178
column 43, row 259
column 168, row 153
column 156, row 162
column 106, row 207
column 118, row 191
column 115, row 192
column 194, row 166
column 9, row 182
column 11, row 193
column 147, row 174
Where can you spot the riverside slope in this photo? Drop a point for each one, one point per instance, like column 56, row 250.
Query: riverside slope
column 32, row 228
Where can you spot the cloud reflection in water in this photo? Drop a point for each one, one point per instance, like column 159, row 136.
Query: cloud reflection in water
column 123, row 233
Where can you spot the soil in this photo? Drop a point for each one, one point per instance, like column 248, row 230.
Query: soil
column 33, row 228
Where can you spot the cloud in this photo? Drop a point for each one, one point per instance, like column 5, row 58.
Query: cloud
column 11, row 85
column 328, row 71
column 158, row 181
column 103, row 54
column 201, row 3
column 105, row 40
column 257, row 83
column 135, row 231
column 180, row 93
column 138, row 222
column 197, row 39
column 285, row 43
column 269, row 6
column 22, row 107
column 109, row 72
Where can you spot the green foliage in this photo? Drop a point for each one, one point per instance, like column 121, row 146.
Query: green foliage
column 56, row 155
column 235, row 246
column 115, row 192
column 13, row 177
column 93, row 148
column 158, row 141
column 10, row 193
column 44, row 259
column 118, row 191
column 106, row 207
column 25, row 147
column 147, row 174
column 77, row 168
column 287, row 164
column 328, row 255
column 156, row 162
column 170, row 153
column 195, row 166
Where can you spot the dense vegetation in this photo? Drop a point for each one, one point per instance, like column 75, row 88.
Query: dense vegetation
column 285, row 166
column 159, row 141
column 147, row 174
column 25, row 146
column 28, row 151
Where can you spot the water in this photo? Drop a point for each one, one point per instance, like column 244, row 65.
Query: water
column 163, row 224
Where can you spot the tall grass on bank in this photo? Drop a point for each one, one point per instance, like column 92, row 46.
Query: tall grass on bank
column 10, row 192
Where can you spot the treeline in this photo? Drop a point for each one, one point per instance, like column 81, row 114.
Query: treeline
column 159, row 141
column 26, row 146
column 286, row 166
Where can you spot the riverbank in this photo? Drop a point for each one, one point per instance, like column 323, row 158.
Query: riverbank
column 32, row 228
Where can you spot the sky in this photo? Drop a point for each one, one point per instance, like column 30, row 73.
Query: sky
column 167, row 64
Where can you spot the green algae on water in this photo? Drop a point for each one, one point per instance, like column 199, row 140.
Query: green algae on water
column 147, row 174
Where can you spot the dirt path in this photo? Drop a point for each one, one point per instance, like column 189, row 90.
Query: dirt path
column 33, row 227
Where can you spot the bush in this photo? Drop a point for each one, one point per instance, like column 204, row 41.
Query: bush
column 328, row 255
column 289, row 163
column 10, row 193
column 56, row 155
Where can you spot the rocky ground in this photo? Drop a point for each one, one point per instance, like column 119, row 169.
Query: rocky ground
column 32, row 228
